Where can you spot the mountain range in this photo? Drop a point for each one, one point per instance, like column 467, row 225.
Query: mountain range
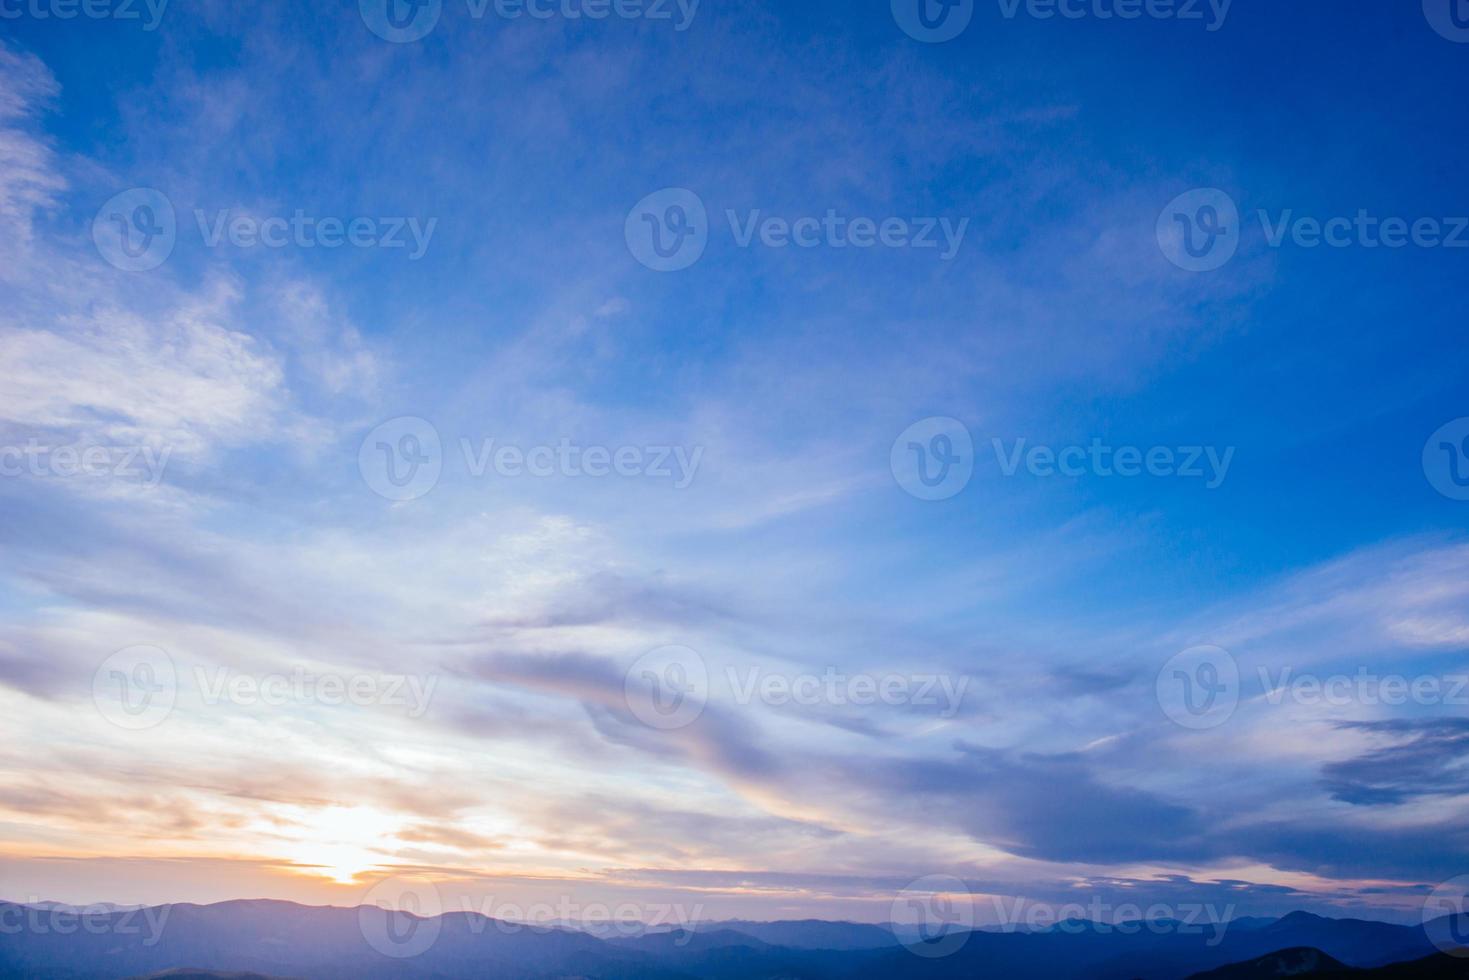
column 271, row 939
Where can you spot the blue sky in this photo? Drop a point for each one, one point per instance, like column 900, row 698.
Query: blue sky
column 792, row 550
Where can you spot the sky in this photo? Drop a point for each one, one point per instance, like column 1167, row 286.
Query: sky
column 740, row 456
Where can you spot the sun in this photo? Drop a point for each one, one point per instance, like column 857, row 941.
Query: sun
column 338, row 843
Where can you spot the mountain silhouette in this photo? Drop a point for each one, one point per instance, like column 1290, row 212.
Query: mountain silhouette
column 1301, row 961
column 284, row 940
column 1316, row 965
column 188, row 974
